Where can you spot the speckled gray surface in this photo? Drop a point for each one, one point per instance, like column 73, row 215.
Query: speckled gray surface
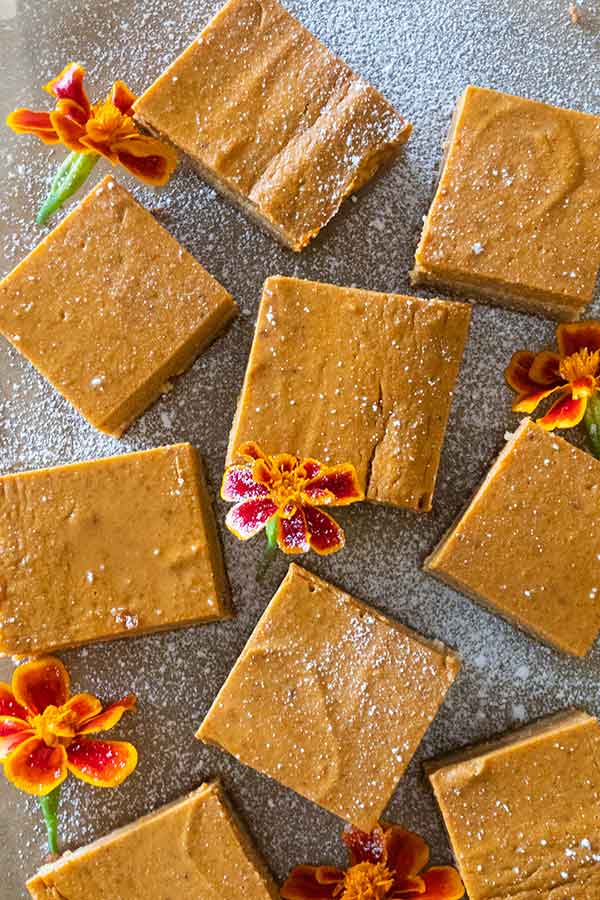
column 421, row 54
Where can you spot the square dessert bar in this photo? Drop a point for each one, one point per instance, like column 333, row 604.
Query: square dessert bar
column 523, row 814
column 193, row 848
column 273, row 119
column 330, row 698
column 346, row 375
column 528, row 546
column 109, row 307
column 108, row 548
column 516, row 216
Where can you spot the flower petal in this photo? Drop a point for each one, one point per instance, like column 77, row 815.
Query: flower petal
column 109, row 717
column 122, row 97
column 517, row 372
column 411, row 886
column 149, row 159
column 103, row 147
column 239, row 484
column 567, row 412
column 286, row 462
column 66, row 120
column 364, row 846
column 302, row 884
column 251, row 451
column 337, row 486
column 530, row 392
column 101, row 763
column 292, row 533
column 13, row 731
column 35, row 768
column 527, row 403
column 406, row 852
column 41, row 683
column 8, row 704
column 247, row 518
column 28, row 121
column 442, row 883
column 328, row 875
column 73, row 111
column 325, row 536
column 84, row 706
column 310, row 467
column 575, row 336
column 544, row 369
column 69, row 86
column 263, row 472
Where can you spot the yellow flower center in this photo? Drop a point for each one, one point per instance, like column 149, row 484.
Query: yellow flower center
column 287, row 488
column 56, row 725
column 367, row 881
column 107, row 124
column 581, row 366
column 286, row 478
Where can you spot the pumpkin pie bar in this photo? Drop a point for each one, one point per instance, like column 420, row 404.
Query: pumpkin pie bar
column 516, row 216
column 330, row 698
column 193, row 848
column 523, row 814
column 108, row 548
column 528, row 546
column 272, row 119
column 345, row 375
column 109, row 307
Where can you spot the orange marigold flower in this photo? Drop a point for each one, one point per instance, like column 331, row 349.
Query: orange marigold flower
column 573, row 374
column 387, row 863
column 106, row 128
column 44, row 732
column 286, row 491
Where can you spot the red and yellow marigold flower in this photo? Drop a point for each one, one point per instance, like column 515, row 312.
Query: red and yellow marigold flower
column 45, row 733
column 385, row 864
column 572, row 374
column 91, row 131
column 106, row 128
column 283, row 493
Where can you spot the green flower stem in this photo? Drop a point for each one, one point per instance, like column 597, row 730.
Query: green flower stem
column 49, row 805
column 592, row 423
column 271, row 532
column 71, row 175
column 270, row 549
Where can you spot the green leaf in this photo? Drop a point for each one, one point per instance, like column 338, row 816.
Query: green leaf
column 271, row 531
column 592, row 423
column 270, row 549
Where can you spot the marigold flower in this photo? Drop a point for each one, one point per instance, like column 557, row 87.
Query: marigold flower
column 283, row 493
column 44, row 732
column 105, row 128
column 386, row 864
column 91, row 131
column 573, row 374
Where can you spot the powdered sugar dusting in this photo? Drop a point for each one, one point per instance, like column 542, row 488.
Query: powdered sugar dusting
column 341, row 697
